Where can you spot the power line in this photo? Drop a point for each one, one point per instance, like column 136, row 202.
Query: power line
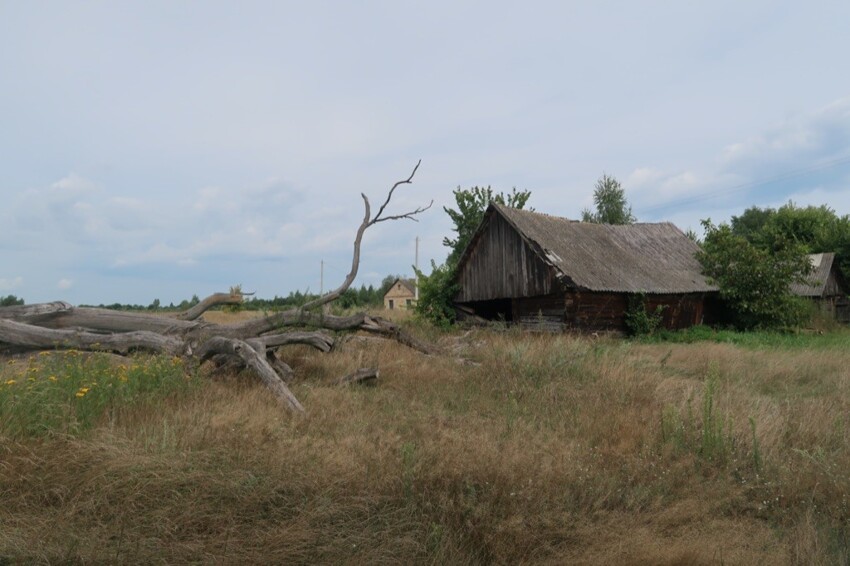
column 749, row 185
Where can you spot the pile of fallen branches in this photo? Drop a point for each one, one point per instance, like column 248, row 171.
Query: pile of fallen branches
column 254, row 344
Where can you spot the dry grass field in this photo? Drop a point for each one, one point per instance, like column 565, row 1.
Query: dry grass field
column 553, row 449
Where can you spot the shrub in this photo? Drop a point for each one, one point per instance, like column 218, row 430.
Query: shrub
column 639, row 321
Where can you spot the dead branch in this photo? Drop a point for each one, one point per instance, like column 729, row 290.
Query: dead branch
column 362, row 375
column 213, row 300
column 367, row 222
column 256, row 362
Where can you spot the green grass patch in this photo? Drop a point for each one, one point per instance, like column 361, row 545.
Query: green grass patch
column 839, row 338
column 69, row 392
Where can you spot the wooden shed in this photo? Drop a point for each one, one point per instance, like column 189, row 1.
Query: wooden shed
column 826, row 286
column 527, row 267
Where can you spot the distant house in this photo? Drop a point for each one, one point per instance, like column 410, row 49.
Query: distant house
column 401, row 295
column 826, row 286
column 529, row 267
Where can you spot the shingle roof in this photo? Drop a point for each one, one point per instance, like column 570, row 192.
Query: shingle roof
column 816, row 281
column 650, row 258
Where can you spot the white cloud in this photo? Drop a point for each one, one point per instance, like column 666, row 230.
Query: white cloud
column 11, row 284
column 73, row 184
column 801, row 149
column 64, row 284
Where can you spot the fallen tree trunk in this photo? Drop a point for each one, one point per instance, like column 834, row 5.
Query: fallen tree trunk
column 251, row 344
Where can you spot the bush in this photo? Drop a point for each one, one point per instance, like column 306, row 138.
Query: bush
column 755, row 283
column 436, row 293
column 639, row 321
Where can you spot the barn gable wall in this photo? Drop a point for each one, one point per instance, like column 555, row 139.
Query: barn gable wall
column 500, row 264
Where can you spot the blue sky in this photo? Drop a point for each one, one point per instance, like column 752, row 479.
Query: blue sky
column 164, row 149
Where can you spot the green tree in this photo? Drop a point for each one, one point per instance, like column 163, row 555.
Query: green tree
column 611, row 204
column 751, row 224
column 755, row 282
column 471, row 205
column 10, row 301
column 817, row 228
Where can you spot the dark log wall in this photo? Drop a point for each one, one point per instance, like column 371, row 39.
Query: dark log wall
column 586, row 310
column 501, row 265
column 607, row 311
column 546, row 311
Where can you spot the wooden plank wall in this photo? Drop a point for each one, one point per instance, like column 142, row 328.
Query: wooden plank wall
column 589, row 311
column 607, row 311
column 501, row 265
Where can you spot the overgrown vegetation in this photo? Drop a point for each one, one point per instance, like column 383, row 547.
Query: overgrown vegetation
column 755, row 283
column 555, row 449
column 69, row 392
column 10, row 301
column 639, row 321
column 815, row 228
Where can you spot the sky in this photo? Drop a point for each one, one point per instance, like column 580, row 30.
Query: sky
column 158, row 149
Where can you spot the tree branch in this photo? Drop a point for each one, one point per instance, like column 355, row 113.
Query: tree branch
column 213, row 300
column 367, row 222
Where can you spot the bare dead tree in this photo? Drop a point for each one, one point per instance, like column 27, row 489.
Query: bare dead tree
column 251, row 344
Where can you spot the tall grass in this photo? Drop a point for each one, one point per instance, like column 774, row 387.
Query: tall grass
column 550, row 450
column 68, row 392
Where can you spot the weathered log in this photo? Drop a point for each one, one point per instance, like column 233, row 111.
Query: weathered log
column 319, row 340
column 33, row 314
column 36, row 337
column 256, row 362
column 285, row 372
column 362, row 375
column 233, row 298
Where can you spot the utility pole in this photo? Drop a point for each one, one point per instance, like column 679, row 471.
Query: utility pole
column 325, row 307
column 416, row 264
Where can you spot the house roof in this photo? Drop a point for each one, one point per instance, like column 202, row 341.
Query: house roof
column 649, row 258
column 815, row 283
column 409, row 284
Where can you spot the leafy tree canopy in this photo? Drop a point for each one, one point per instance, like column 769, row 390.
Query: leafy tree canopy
column 10, row 301
column 816, row 228
column 755, row 281
column 611, row 204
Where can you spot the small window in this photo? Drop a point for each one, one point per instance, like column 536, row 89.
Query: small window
column 392, row 306
column 408, row 302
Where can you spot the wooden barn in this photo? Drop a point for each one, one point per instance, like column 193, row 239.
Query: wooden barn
column 826, row 286
column 527, row 267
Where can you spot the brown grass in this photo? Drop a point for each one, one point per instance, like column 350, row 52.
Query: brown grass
column 550, row 451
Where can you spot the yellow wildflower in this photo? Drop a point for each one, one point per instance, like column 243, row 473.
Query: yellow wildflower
column 10, row 382
column 82, row 392
column 52, row 378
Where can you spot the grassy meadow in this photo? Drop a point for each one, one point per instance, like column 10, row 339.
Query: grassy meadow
column 548, row 449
